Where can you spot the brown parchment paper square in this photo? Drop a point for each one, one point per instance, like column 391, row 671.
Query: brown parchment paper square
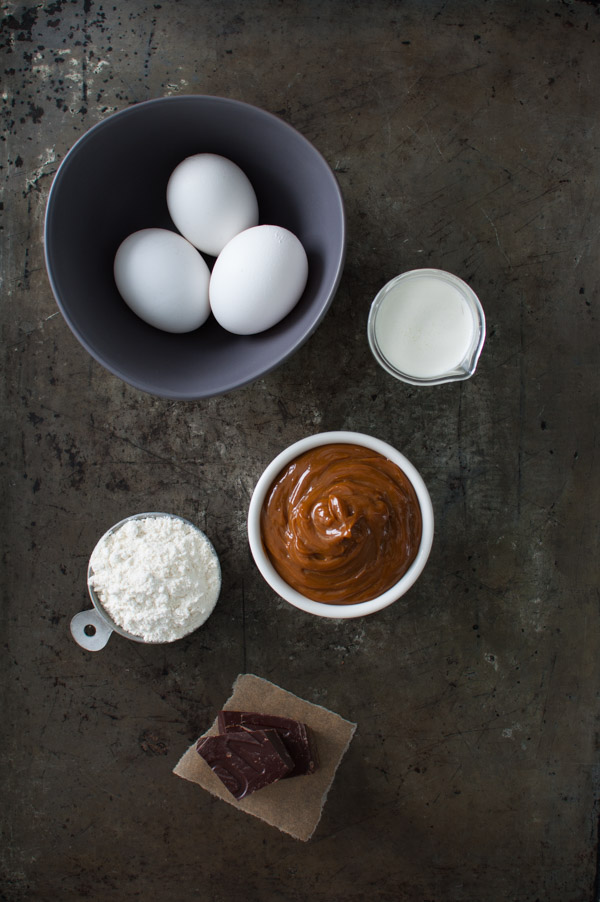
column 293, row 806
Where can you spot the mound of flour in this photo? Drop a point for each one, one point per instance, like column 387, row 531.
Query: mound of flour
column 157, row 577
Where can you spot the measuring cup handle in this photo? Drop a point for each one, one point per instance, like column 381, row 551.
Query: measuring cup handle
column 89, row 630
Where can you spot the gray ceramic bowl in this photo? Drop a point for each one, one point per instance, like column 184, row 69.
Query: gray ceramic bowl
column 92, row 629
column 113, row 182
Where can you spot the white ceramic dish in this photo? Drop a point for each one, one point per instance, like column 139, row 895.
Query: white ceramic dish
column 274, row 579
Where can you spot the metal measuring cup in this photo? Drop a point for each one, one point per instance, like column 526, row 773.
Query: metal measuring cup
column 93, row 628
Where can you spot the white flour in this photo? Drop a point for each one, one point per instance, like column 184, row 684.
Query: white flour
column 157, row 577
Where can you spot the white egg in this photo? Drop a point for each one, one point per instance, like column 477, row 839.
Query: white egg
column 210, row 200
column 163, row 279
column 258, row 277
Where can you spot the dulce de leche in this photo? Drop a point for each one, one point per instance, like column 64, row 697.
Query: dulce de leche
column 341, row 524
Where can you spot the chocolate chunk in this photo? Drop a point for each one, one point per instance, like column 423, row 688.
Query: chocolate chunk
column 296, row 736
column 247, row 760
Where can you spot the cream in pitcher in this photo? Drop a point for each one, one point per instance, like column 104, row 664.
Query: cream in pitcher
column 426, row 327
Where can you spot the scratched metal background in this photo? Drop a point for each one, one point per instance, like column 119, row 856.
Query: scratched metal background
column 464, row 136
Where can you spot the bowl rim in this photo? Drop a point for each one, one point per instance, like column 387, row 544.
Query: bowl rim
column 257, row 372
column 266, row 568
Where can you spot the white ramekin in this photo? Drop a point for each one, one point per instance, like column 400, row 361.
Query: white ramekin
column 265, row 566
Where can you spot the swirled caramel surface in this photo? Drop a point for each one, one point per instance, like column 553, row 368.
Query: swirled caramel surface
column 341, row 524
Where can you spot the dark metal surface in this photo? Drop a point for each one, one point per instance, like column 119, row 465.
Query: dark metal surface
column 465, row 137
